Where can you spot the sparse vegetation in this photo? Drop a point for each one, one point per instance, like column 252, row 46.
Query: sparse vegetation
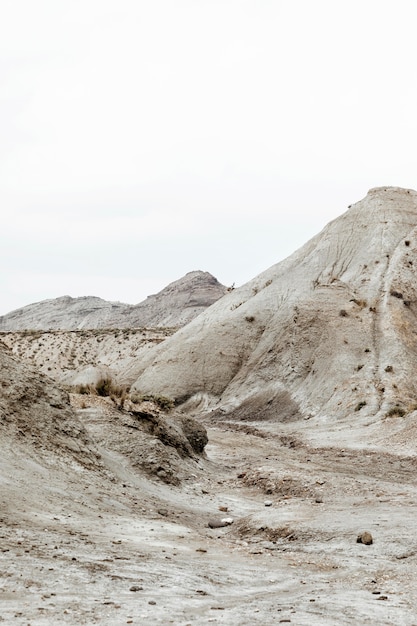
column 250, row 318
column 343, row 313
column 360, row 405
column 396, row 294
column 360, row 303
column 395, row 411
column 162, row 402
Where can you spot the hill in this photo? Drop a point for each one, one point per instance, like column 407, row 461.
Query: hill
column 330, row 332
column 176, row 305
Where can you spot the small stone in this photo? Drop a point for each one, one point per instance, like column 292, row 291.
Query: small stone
column 163, row 512
column 268, row 503
column 152, row 602
column 365, row 538
column 224, row 509
column 220, row 523
column 136, row 588
column 382, row 598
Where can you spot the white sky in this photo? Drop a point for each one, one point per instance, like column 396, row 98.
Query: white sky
column 142, row 139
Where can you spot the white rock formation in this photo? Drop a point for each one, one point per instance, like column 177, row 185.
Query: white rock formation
column 330, row 331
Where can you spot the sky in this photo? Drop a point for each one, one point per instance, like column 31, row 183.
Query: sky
column 143, row 139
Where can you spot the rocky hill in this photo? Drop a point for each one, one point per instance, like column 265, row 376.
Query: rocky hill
column 330, row 332
column 176, row 305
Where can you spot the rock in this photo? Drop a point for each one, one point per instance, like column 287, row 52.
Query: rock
column 268, row 503
column 365, row 538
column 220, row 523
column 136, row 588
column 224, row 509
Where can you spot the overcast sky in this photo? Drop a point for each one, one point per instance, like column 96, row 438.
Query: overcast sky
column 142, row 139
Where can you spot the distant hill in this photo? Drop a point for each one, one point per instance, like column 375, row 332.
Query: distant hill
column 176, row 305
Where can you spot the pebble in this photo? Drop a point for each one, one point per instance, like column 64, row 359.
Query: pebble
column 220, row 523
column 136, row 588
column 268, row 503
column 365, row 538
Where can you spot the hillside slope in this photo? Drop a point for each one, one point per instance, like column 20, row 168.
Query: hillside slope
column 331, row 331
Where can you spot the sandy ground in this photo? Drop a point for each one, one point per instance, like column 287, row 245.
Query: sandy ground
column 114, row 547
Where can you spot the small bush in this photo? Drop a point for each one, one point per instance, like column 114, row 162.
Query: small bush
column 396, row 294
column 360, row 303
column 164, row 403
column 395, row 411
column 343, row 313
column 250, row 318
column 360, row 405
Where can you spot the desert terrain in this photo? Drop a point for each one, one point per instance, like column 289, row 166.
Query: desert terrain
column 108, row 544
column 256, row 465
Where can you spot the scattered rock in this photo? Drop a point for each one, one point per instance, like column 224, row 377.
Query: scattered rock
column 268, row 502
column 365, row 538
column 136, row 588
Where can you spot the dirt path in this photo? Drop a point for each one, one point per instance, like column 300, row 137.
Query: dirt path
column 113, row 547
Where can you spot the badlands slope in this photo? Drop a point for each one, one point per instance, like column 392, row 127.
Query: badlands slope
column 330, row 332
column 176, row 305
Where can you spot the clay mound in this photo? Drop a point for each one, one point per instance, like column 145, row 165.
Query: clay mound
column 331, row 331
column 37, row 414
column 176, row 305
